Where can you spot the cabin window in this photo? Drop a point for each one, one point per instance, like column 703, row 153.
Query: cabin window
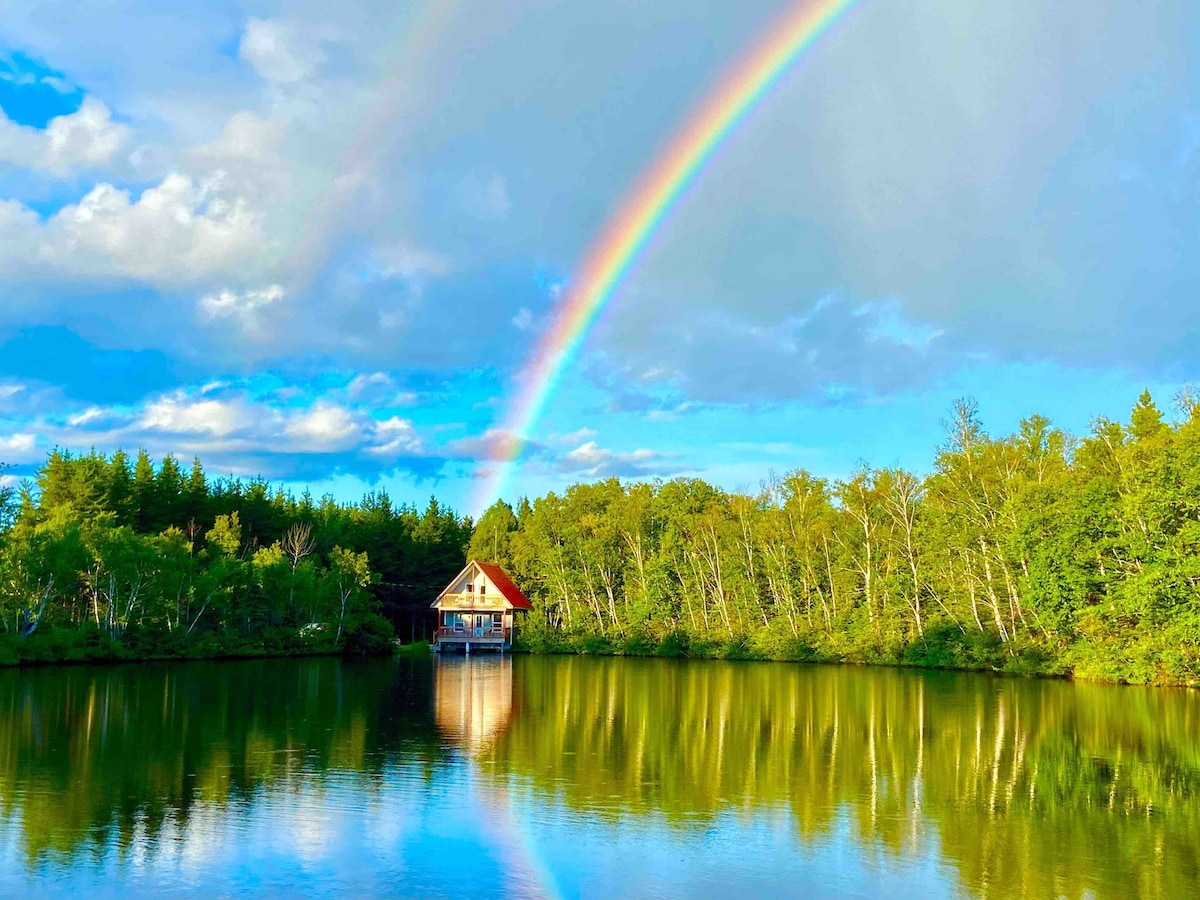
column 497, row 619
column 482, row 589
column 470, row 587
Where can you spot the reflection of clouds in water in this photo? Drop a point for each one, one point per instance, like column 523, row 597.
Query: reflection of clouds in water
column 473, row 707
column 610, row 777
column 391, row 812
column 311, row 836
column 332, row 831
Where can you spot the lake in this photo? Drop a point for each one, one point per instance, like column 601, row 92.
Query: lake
column 591, row 777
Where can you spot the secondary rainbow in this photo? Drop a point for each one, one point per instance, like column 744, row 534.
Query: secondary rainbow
column 628, row 231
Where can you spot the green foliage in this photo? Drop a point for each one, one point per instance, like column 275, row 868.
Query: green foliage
column 492, row 537
column 104, row 559
column 1035, row 552
column 368, row 634
column 416, row 648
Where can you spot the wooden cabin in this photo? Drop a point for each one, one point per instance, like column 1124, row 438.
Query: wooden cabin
column 477, row 609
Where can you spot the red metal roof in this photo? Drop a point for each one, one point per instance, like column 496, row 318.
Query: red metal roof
column 505, row 585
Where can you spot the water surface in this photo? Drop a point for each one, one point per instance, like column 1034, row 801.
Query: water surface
column 579, row 777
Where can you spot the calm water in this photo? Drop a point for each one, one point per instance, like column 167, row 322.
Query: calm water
column 581, row 777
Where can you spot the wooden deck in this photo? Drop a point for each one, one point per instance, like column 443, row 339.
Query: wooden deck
column 471, row 601
column 471, row 638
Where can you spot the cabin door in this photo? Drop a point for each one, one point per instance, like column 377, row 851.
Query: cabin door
column 479, row 626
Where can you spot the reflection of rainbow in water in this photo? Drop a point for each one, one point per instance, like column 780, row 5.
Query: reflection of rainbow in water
column 473, row 706
column 630, row 229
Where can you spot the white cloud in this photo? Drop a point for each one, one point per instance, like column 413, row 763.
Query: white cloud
column 494, row 444
column 91, row 414
column 406, row 260
column 18, row 448
column 246, row 137
column 248, row 308
column 242, row 434
column 173, row 234
column 324, row 428
column 178, row 414
column 574, row 437
column 948, row 186
column 362, row 383
column 280, row 51
column 20, row 79
column 86, row 138
column 671, row 414
column 593, row 461
column 396, row 437
column 379, row 389
column 58, row 84
column 523, row 319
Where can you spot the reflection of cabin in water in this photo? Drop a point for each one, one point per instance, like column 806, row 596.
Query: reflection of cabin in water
column 478, row 608
column 473, row 700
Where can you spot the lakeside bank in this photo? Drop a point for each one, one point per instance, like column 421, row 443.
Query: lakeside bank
column 945, row 650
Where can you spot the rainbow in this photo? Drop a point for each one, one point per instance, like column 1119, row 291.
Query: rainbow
column 630, row 229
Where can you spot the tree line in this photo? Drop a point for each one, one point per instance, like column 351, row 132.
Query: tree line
column 1033, row 551
column 104, row 557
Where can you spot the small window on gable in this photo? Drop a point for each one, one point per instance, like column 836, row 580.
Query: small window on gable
column 483, row 588
column 470, row 587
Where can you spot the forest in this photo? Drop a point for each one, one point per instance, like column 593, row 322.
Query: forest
column 1034, row 552
column 104, row 558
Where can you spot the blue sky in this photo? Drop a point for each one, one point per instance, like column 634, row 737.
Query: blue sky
column 316, row 242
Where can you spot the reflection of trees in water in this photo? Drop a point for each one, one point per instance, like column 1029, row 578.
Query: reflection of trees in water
column 89, row 756
column 1032, row 788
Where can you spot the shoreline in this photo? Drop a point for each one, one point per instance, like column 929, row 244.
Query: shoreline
column 593, row 646
column 63, row 655
column 1017, row 665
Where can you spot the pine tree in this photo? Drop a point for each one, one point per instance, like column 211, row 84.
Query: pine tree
column 144, row 499
column 1146, row 420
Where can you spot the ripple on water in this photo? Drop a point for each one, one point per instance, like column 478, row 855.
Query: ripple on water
column 561, row 777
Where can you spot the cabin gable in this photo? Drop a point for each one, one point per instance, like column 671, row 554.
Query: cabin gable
column 472, row 589
column 481, row 586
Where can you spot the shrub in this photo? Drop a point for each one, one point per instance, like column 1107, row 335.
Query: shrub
column 369, row 635
column 594, row 643
column 638, row 644
column 676, row 643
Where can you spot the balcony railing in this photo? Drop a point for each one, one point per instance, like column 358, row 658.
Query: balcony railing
column 471, row 600
column 470, row 633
